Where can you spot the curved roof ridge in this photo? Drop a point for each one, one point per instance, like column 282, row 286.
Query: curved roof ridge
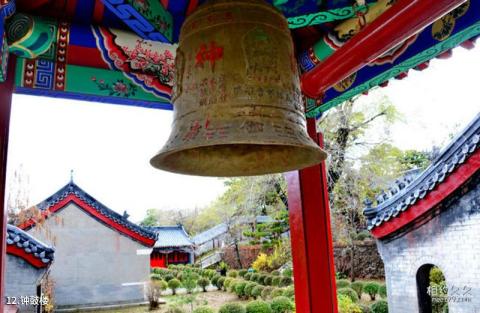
column 118, row 219
column 450, row 158
column 24, row 245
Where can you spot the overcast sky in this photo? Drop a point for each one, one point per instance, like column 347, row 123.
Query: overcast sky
column 109, row 147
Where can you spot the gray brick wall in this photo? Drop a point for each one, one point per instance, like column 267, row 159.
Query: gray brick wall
column 22, row 280
column 450, row 241
column 94, row 264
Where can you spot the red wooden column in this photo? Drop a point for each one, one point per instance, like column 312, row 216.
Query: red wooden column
column 6, row 90
column 312, row 248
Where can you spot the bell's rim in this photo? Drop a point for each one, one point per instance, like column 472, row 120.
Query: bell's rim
column 299, row 157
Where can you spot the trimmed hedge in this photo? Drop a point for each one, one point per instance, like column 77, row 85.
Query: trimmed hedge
column 277, row 292
column 232, row 308
column 343, row 283
column 382, row 291
column 258, row 306
column 257, row 291
column 286, row 281
column 203, row 283
column 268, row 280
column 240, row 289
column 276, row 281
column 372, row 289
column 358, row 287
column 349, row 292
column 266, row 292
column 174, row 284
column 220, row 283
column 282, row 305
column 381, row 306
column 289, row 292
column 249, row 288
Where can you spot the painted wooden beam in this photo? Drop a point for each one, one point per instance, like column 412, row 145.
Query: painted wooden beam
column 6, row 91
column 148, row 19
column 312, row 248
column 383, row 34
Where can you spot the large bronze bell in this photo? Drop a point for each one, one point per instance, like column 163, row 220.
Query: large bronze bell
column 237, row 99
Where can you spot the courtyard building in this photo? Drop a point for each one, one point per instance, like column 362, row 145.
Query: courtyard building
column 101, row 257
column 432, row 221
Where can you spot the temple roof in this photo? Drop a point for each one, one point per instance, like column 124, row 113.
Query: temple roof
column 410, row 190
column 71, row 193
column 171, row 236
column 23, row 245
column 210, row 234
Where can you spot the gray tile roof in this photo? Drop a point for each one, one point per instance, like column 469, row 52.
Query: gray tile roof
column 72, row 188
column 406, row 192
column 41, row 251
column 171, row 236
column 210, row 234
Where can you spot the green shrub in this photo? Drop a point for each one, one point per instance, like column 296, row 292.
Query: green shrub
column 346, row 305
column 220, row 283
column 372, row 289
column 174, row 284
column 258, row 306
column 381, row 306
column 169, row 277
column 227, row 282
column 240, row 289
column 266, row 292
column 287, row 272
column 349, row 292
column 436, row 275
column 248, row 276
column 268, row 280
column 382, row 291
column 275, row 273
column 358, row 287
column 255, row 277
column 249, row 288
column 282, row 305
column 160, row 271
column 233, row 285
column 363, row 235
column 343, row 283
column 215, row 279
column 203, row 309
column 203, row 283
column 232, row 273
column 156, row 276
column 242, row 273
column 276, row 281
column 285, row 281
column 232, row 308
column 257, row 291
column 365, row 308
column 289, row 292
column 210, row 274
column 261, row 279
column 276, row 292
